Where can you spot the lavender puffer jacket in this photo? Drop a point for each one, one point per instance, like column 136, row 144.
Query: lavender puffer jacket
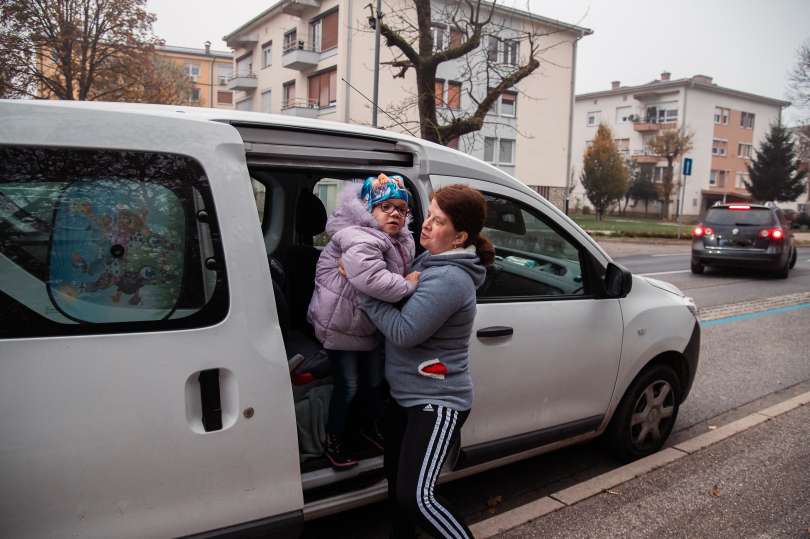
column 375, row 264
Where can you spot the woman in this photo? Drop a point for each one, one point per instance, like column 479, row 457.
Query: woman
column 426, row 360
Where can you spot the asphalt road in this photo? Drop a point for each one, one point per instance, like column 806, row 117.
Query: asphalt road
column 743, row 364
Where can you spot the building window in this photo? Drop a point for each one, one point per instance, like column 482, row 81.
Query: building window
column 455, row 38
column 288, row 94
column 225, row 98
column 510, row 52
column 438, row 32
column 747, row 120
column 195, row 95
column 193, row 71
column 717, row 178
column 323, row 89
column 266, row 101
column 324, row 32
column 244, row 66
column 721, row 115
column 492, row 49
column 267, row 54
column 508, row 104
column 662, row 113
column 438, row 88
column 542, row 190
column 744, row 150
column 505, row 149
column 658, row 174
column 623, row 145
column 719, row 147
column 224, row 72
column 245, row 104
column 593, row 118
column 623, row 114
column 741, row 177
column 290, row 39
column 453, row 95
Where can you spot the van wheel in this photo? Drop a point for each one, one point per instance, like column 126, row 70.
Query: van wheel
column 697, row 267
column 646, row 414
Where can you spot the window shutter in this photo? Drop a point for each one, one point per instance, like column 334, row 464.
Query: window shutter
column 329, row 38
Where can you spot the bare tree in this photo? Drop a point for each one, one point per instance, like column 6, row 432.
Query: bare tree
column 492, row 58
column 671, row 145
column 78, row 49
column 799, row 80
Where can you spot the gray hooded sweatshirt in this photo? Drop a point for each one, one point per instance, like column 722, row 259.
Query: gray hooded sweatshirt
column 427, row 341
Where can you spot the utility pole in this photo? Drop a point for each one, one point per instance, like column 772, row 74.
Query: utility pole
column 376, row 93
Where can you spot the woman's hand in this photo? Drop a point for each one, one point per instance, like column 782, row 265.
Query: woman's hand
column 413, row 277
column 341, row 269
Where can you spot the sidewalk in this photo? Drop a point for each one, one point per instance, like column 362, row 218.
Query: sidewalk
column 753, row 484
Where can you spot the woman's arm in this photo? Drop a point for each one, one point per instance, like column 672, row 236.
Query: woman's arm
column 437, row 297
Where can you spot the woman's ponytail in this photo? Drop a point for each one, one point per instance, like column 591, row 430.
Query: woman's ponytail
column 485, row 250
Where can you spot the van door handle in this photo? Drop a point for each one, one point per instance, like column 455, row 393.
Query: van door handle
column 210, row 400
column 495, row 331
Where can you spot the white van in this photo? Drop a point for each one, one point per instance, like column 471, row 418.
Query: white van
column 146, row 347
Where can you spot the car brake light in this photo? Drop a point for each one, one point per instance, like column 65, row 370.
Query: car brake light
column 773, row 233
column 701, row 231
column 739, row 207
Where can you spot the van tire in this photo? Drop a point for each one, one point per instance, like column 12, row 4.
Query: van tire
column 643, row 407
column 697, row 267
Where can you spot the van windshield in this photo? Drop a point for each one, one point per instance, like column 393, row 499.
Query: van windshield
column 750, row 217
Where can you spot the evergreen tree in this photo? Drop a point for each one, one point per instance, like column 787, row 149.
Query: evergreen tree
column 604, row 174
column 774, row 172
column 642, row 188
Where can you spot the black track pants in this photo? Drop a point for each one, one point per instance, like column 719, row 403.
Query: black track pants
column 417, row 440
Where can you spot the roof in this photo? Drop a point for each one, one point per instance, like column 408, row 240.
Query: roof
column 691, row 82
column 501, row 8
column 227, row 55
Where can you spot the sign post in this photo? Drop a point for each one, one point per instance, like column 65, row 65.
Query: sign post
column 686, row 170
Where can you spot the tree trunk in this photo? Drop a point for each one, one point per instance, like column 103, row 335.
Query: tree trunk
column 425, row 79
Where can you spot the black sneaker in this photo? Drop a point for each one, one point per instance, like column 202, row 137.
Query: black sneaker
column 374, row 437
column 336, row 453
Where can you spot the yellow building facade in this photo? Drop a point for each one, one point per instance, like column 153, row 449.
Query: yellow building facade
column 209, row 71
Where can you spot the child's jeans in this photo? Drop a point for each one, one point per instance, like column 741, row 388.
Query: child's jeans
column 353, row 371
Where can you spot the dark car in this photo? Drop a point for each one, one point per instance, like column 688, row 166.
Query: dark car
column 744, row 235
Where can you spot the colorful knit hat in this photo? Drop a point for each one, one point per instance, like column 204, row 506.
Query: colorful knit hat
column 377, row 190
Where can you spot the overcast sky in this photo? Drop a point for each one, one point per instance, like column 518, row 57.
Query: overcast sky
column 748, row 45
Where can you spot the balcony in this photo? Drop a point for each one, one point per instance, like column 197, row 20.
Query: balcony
column 645, row 157
column 302, row 108
column 300, row 57
column 245, row 82
column 652, row 126
column 298, row 7
column 246, row 41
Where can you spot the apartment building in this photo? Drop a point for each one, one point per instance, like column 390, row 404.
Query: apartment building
column 315, row 58
column 728, row 125
column 209, row 71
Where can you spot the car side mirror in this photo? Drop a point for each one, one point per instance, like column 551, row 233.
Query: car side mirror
column 618, row 281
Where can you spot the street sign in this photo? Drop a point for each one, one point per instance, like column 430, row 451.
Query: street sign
column 687, row 166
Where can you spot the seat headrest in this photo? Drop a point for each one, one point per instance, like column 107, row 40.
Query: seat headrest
column 310, row 215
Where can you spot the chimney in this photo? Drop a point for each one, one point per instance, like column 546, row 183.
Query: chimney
column 665, row 75
column 614, row 85
column 207, row 47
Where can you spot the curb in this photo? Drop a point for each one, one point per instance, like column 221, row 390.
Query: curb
column 581, row 491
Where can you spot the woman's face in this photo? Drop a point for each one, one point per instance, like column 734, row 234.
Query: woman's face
column 438, row 233
column 390, row 215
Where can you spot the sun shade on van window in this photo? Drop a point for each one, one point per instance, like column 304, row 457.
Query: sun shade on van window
column 98, row 241
column 734, row 217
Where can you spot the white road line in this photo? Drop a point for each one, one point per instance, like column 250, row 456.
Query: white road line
column 663, row 273
column 673, row 254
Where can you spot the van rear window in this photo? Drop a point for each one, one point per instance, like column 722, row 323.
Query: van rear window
column 96, row 241
column 752, row 216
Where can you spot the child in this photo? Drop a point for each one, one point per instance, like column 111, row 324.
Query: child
column 370, row 238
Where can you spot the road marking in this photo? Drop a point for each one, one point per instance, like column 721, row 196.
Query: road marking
column 674, row 254
column 663, row 273
column 758, row 314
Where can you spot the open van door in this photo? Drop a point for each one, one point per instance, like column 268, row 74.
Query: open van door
column 143, row 377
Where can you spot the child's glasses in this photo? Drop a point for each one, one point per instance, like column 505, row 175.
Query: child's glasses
column 389, row 209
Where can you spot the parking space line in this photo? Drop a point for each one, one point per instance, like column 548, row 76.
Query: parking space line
column 664, row 273
column 758, row 314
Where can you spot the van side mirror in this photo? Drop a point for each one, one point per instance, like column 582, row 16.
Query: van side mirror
column 618, row 281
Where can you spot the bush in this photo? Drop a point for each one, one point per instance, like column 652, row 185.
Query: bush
column 586, row 210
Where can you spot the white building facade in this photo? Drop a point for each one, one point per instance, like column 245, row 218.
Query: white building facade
column 727, row 126
column 315, row 58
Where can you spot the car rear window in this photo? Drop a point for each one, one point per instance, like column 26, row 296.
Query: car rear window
column 753, row 217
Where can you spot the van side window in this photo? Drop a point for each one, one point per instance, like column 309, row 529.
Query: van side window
column 98, row 241
column 532, row 259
